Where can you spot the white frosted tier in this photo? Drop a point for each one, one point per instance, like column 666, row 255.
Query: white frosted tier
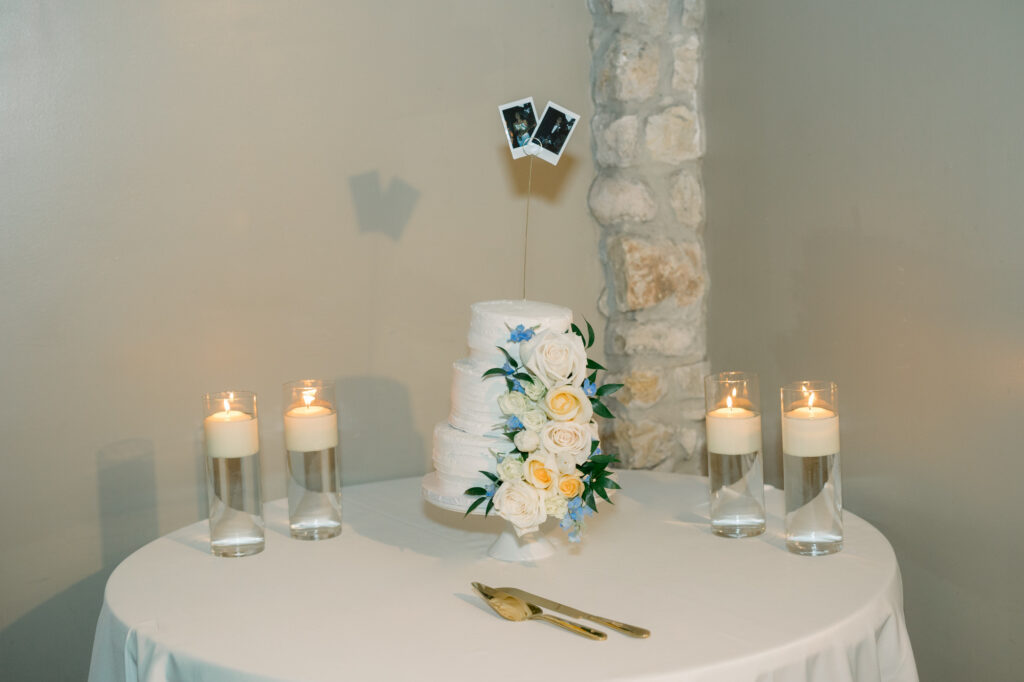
column 457, row 453
column 475, row 399
column 490, row 322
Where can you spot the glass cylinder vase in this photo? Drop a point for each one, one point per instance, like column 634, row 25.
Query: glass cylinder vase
column 735, row 458
column 810, row 454
column 233, row 486
column 314, row 467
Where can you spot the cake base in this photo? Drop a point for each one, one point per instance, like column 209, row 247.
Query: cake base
column 513, row 548
column 508, row 546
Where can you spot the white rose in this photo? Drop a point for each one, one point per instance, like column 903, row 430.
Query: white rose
column 534, row 390
column 540, row 469
column 568, row 403
column 527, row 441
column 520, row 504
column 566, row 462
column 533, row 420
column 556, row 359
column 513, row 402
column 510, row 469
column 567, row 438
column 556, row 505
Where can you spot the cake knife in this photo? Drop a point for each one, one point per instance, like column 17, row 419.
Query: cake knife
column 537, row 600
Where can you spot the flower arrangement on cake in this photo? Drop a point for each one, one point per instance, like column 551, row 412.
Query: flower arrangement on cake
column 556, row 467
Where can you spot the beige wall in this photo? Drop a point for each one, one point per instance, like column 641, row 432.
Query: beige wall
column 177, row 216
column 865, row 209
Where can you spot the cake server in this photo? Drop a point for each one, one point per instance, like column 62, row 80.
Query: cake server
column 514, row 608
column 537, row 600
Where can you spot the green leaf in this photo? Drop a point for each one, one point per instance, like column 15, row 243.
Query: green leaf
column 490, row 506
column 594, row 445
column 589, row 499
column 608, row 389
column 494, row 372
column 601, row 410
column 523, row 377
column 603, row 494
column 590, row 334
column 477, row 490
column 593, row 377
column 488, row 474
column 508, row 357
column 602, row 460
column 473, row 506
column 594, row 364
column 610, row 483
column 577, row 332
column 508, row 384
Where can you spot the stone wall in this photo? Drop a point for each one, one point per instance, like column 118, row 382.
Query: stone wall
column 648, row 197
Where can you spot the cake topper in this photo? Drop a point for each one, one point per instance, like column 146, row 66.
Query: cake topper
column 546, row 140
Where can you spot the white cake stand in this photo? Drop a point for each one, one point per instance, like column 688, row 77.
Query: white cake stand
column 509, row 546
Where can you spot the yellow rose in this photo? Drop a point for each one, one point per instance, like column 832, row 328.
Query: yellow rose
column 568, row 403
column 540, row 469
column 570, row 487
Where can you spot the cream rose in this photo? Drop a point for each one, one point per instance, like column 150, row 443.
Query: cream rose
column 556, row 359
column 556, row 506
column 527, row 441
column 567, row 437
column 569, row 486
column 520, row 504
column 540, row 469
column 566, row 462
column 568, row 403
column 513, row 402
column 533, row 420
column 534, row 390
column 510, row 468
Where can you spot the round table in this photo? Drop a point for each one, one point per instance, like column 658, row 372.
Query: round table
column 390, row 599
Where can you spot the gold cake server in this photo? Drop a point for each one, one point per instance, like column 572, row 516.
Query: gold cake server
column 537, row 600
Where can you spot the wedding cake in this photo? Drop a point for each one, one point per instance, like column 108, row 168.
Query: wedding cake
column 473, row 437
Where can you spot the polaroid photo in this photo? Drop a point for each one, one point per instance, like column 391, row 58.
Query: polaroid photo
column 520, row 120
column 553, row 133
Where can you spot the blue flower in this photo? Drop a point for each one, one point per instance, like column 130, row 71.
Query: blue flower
column 520, row 334
column 589, row 387
column 575, row 535
column 517, row 386
column 565, row 523
column 507, row 368
column 586, row 479
column 595, row 452
column 490, row 490
column 514, row 424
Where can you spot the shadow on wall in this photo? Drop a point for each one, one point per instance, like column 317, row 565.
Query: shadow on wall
column 378, row 436
column 387, row 212
column 54, row 640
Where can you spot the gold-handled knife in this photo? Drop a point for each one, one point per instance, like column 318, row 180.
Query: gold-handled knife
column 537, row 600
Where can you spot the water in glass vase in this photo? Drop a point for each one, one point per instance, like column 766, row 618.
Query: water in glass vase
column 737, row 494
column 814, row 504
column 236, row 519
column 314, row 494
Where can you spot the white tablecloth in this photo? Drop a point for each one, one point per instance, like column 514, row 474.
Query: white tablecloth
column 390, row 599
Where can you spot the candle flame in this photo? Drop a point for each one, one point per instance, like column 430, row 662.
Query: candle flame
column 227, row 405
column 728, row 400
column 308, row 395
column 810, row 402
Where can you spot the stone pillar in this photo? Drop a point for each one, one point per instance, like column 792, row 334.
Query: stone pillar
column 648, row 198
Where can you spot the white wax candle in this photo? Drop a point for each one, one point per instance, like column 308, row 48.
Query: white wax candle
column 810, row 432
column 231, row 433
column 309, row 428
column 733, row 431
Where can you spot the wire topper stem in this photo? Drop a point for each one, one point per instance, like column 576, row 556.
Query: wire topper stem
column 526, row 228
